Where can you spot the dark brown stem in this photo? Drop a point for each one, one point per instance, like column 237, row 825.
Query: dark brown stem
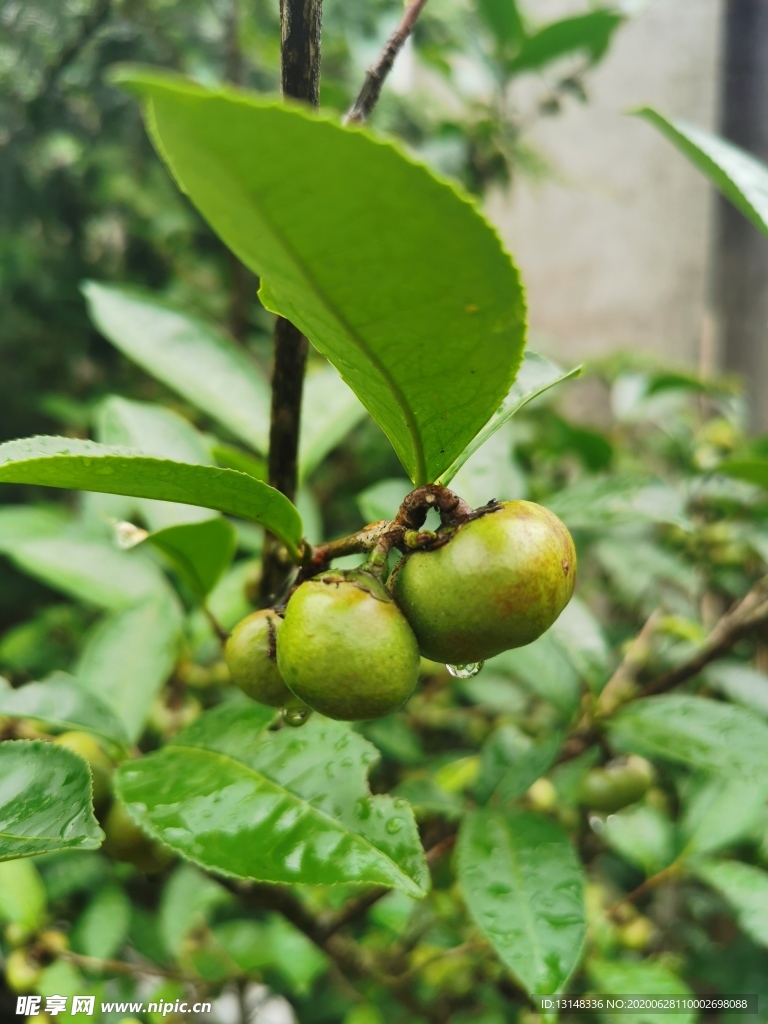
column 369, row 94
column 300, row 26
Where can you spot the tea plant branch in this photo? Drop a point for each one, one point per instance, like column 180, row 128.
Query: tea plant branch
column 300, row 32
column 98, row 966
column 650, row 883
column 746, row 615
column 369, row 94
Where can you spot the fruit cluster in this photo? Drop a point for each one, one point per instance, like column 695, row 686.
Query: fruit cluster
column 349, row 646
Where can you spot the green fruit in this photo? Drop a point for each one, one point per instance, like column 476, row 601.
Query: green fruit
column 89, row 748
column 617, row 785
column 22, row 974
column 345, row 648
column 499, row 582
column 252, row 660
column 125, row 841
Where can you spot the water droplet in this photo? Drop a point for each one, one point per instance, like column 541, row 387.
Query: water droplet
column 295, row 716
column 465, row 671
column 394, row 825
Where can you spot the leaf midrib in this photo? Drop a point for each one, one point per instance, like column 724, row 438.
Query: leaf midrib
column 314, row 811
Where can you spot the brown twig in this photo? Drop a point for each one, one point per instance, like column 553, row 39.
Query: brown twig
column 300, row 28
column 644, row 888
column 746, row 615
column 91, row 963
column 374, row 80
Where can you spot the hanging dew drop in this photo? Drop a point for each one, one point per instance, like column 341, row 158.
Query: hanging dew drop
column 465, row 671
column 394, row 825
column 295, row 716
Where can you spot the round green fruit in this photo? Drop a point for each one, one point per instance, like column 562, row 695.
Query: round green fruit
column 616, row 785
column 499, row 582
column 22, row 974
column 345, row 648
column 252, row 660
column 125, row 841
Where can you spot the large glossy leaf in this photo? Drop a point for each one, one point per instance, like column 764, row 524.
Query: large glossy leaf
column 330, row 410
column 129, row 656
column 588, row 34
column 290, row 806
column 45, row 801
column 705, row 734
column 523, row 885
column 535, row 376
column 200, row 552
column 746, row 889
column 64, row 704
column 737, row 174
column 187, row 354
column 86, row 465
column 162, row 433
column 627, row 977
column 392, row 274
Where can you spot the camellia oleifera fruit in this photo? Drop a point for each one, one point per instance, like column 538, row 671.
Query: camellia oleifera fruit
column 499, row 582
column 345, row 648
column 616, row 785
column 251, row 656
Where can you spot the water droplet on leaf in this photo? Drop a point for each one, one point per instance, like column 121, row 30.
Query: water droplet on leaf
column 394, row 825
column 295, row 716
column 465, row 671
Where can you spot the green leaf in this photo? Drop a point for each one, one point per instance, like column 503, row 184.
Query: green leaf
column 543, row 668
column 523, row 886
column 742, row 684
column 647, row 978
column 290, row 806
column 510, row 762
column 503, row 19
column 595, row 503
column 718, row 812
column 230, row 457
column 128, row 657
column 201, row 552
column 535, row 376
column 102, row 928
column 330, row 410
column 85, row 465
column 187, row 902
column 189, row 355
column 704, row 734
column 589, row 34
column 580, row 637
column 737, row 174
column 153, row 430
column 643, row 836
column 45, row 801
column 22, row 894
column 746, row 889
column 750, row 468
column 60, row 701
column 392, row 274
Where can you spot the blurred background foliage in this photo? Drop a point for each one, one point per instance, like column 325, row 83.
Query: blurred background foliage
column 659, row 533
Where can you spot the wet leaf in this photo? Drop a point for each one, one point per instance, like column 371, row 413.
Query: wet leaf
column 632, row 978
column 290, row 806
column 45, row 801
column 361, row 265
column 523, row 885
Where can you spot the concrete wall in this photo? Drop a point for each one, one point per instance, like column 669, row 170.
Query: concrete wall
column 615, row 251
